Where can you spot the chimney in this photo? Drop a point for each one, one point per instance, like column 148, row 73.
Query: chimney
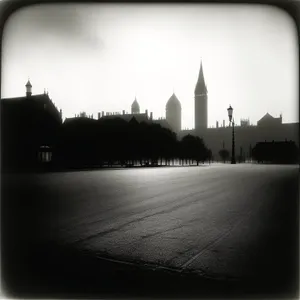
column 217, row 124
column 123, row 112
column 60, row 113
column 99, row 116
column 151, row 116
column 146, row 112
column 223, row 123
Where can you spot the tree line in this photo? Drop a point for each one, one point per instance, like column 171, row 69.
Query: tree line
column 281, row 152
column 84, row 142
column 285, row 152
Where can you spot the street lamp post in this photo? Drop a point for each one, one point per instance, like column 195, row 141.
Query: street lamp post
column 231, row 120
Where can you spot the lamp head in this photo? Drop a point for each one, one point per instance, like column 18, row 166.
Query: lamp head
column 230, row 111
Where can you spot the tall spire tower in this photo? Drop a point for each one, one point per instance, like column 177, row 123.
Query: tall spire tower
column 200, row 103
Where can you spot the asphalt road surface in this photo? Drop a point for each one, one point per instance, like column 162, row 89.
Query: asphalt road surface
column 219, row 230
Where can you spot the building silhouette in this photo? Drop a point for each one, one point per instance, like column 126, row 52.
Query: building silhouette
column 268, row 121
column 30, row 124
column 29, row 127
column 268, row 127
column 200, row 103
column 172, row 121
column 135, row 113
column 173, row 113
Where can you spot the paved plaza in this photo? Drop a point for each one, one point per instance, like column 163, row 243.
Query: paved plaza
column 222, row 223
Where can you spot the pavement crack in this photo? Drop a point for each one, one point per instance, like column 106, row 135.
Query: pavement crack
column 220, row 237
column 182, row 204
column 110, row 210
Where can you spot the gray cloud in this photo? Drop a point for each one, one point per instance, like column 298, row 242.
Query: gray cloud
column 68, row 23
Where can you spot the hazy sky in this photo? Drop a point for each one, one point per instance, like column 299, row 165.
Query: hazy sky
column 98, row 57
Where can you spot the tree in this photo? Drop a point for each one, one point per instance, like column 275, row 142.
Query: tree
column 193, row 148
column 209, row 155
column 88, row 142
column 224, row 154
column 275, row 152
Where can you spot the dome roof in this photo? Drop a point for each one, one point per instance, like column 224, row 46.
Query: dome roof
column 135, row 103
column 173, row 101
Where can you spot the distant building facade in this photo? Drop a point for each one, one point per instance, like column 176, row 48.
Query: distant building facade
column 172, row 120
column 246, row 136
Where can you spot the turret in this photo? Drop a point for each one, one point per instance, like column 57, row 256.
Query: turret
column 28, row 89
column 173, row 113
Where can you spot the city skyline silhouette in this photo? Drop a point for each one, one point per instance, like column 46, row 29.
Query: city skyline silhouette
column 125, row 52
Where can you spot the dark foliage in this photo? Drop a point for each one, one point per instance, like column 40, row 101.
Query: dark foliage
column 224, row 154
column 194, row 149
column 276, row 152
column 84, row 142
